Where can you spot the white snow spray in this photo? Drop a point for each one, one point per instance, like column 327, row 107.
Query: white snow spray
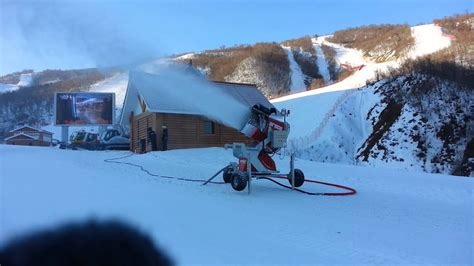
column 197, row 93
column 81, row 33
column 73, row 34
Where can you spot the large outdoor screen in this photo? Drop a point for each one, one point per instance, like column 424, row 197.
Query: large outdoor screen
column 84, row 108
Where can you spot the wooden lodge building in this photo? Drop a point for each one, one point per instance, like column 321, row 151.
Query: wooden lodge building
column 30, row 136
column 159, row 119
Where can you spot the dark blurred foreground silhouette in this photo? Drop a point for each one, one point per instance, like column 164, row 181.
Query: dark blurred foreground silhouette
column 92, row 243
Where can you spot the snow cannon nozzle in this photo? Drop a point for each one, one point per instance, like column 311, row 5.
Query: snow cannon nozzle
column 264, row 110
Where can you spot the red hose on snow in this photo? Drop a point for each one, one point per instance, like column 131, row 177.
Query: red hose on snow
column 350, row 191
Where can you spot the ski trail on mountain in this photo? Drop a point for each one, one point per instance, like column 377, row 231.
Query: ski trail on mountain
column 428, row 39
column 321, row 61
column 297, row 77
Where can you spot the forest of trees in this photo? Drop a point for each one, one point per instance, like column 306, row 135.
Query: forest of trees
column 269, row 58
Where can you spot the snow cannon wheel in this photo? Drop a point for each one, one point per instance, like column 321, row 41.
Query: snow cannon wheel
column 238, row 182
column 299, row 178
column 227, row 174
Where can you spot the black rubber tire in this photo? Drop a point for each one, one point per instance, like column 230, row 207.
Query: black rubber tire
column 238, row 182
column 227, row 174
column 299, row 178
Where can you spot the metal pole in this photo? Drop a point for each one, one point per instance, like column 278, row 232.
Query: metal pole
column 102, row 129
column 212, row 177
column 292, row 170
column 64, row 134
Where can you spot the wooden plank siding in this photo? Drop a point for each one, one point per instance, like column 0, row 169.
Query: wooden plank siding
column 27, row 142
column 184, row 131
column 140, row 125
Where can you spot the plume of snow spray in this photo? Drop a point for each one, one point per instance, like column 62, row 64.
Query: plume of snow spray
column 72, row 34
column 80, row 32
column 195, row 92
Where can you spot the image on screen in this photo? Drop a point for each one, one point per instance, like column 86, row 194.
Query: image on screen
column 84, row 108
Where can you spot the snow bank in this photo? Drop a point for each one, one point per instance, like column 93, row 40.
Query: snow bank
column 397, row 217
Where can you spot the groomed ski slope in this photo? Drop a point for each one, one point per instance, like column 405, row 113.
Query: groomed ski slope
column 428, row 39
column 309, row 108
column 397, row 217
column 297, row 76
column 321, row 60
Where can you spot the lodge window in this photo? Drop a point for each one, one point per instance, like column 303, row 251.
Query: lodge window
column 208, row 127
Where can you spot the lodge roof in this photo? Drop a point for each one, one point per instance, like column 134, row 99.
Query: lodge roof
column 22, row 135
column 31, row 129
column 164, row 92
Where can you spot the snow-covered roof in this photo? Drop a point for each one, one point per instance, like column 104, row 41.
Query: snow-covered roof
column 181, row 92
column 32, row 129
column 21, row 134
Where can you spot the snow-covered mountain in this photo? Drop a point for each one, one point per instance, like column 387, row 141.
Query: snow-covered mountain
column 340, row 97
column 391, row 122
column 371, row 117
column 410, row 121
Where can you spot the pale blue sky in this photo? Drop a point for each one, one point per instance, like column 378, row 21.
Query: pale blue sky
column 75, row 34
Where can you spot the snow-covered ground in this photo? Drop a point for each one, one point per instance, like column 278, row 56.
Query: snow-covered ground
column 397, row 217
column 307, row 113
column 341, row 125
column 297, row 76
